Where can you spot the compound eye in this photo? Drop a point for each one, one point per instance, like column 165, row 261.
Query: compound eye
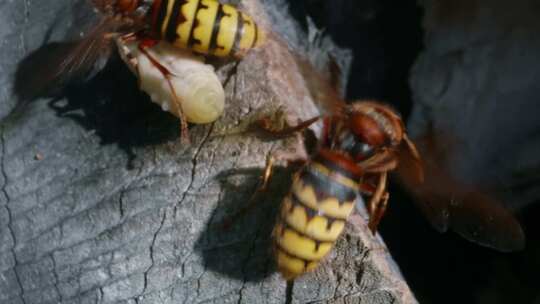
column 362, row 151
column 348, row 141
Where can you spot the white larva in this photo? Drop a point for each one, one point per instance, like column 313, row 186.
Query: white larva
column 199, row 92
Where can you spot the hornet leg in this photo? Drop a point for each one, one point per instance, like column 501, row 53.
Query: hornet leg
column 378, row 165
column 262, row 186
column 264, row 180
column 146, row 44
column 378, row 201
column 268, row 126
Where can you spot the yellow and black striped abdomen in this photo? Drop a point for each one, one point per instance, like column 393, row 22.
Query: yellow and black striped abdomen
column 205, row 26
column 312, row 217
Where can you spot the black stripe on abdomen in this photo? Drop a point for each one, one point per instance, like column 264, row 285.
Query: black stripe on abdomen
column 255, row 35
column 286, row 226
column 239, row 32
column 310, row 212
column 191, row 40
column 287, row 252
column 215, row 30
column 332, row 166
column 162, row 14
column 325, row 187
column 174, row 20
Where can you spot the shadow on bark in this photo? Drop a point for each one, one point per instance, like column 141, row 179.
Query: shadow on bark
column 237, row 239
column 109, row 104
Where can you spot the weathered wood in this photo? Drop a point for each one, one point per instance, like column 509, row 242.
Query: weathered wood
column 102, row 204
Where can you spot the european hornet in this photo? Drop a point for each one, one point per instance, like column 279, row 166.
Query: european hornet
column 360, row 144
column 205, row 27
column 358, row 147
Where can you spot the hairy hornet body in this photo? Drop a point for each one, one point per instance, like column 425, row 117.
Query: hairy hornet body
column 313, row 214
column 205, row 27
column 356, row 151
column 360, row 144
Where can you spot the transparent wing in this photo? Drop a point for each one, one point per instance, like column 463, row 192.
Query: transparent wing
column 480, row 218
column 323, row 86
column 323, row 89
column 76, row 45
column 49, row 67
column 450, row 204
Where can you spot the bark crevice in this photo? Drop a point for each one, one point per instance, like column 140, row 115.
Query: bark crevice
column 10, row 215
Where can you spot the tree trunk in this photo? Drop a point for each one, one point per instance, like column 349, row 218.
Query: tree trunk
column 101, row 203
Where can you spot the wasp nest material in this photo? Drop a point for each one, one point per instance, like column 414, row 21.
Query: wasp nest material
column 197, row 89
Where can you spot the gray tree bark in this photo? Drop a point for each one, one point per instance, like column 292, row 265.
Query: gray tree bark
column 101, row 203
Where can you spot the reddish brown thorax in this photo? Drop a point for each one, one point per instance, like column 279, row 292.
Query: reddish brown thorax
column 367, row 129
column 341, row 160
column 127, row 6
column 377, row 123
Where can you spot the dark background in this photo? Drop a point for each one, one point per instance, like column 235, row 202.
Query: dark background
column 386, row 37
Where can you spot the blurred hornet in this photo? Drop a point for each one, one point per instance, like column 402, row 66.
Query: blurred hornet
column 359, row 145
column 357, row 149
column 205, row 27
